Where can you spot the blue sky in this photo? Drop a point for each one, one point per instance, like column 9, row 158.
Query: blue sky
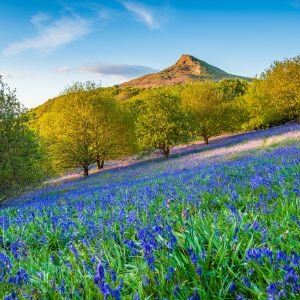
column 46, row 45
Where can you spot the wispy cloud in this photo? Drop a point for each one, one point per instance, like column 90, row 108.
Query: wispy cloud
column 39, row 19
column 64, row 70
column 116, row 70
column 17, row 75
column 52, row 35
column 143, row 14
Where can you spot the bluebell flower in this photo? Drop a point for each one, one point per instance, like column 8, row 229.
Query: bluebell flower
column 198, row 270
column 195, row 296
column 232, row 287
column 193, row 256
column 246, row 282
column 145, row 280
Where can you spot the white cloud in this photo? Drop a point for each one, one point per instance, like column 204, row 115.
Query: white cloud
column 16, row 74
column 64, row 70
column 39, row 19
column 52, row 35
column 125, row 71
column 143, row 14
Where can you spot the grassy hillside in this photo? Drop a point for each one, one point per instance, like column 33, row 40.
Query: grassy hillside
column 186, row 70
column 220, row 223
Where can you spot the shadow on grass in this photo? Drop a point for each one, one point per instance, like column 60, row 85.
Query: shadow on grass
column 215, row 143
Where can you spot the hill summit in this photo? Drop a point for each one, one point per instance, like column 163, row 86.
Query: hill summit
column 186, row 69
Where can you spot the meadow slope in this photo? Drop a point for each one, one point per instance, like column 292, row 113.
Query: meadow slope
column 217, row 222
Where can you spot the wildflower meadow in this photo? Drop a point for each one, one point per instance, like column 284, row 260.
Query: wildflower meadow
column 223, row 228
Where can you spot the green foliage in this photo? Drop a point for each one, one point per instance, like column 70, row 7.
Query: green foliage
column 138, row 118
column 213, row 107
column 84, row 127
column 161, row 122
column 233, row 88
column 76, row 133
column 22, row 161
column 127, row 93
column 79, row 87
column 275, row 98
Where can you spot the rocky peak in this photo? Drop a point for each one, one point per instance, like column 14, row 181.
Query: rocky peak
column 186, row 69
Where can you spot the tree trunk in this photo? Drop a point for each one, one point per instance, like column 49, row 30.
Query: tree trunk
column 205, row 140
column 204, row 135
column 85, row 171
column 166, row 152
column 98, row 162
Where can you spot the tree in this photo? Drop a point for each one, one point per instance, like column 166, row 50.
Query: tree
column 232, row 88
column 275, row 97
column 281, row 84
column 161, row 122
column 79, row 87
column 75, row 134
column 212, row 111
column 111, row 128
column 21, row 151
column 84, row 127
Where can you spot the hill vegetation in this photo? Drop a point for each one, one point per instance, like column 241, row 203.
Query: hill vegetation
column 87, row 124
column 187, row 69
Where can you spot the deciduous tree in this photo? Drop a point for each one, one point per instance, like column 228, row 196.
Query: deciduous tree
column 161, row 122
column 275, row 97
column 21, row 153
column 87, row 127
column 211, row 112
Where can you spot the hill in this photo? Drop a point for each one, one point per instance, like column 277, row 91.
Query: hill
column 185, row 70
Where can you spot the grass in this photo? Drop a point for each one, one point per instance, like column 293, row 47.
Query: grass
column 177, row 229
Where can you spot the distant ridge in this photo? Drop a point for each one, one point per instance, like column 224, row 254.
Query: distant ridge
column 188, row 68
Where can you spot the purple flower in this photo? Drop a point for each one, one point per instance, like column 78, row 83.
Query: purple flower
column 281, row 255
column 193, row 256
column 195, row 296
column 247, row 282
column 12, row 296
column 272, row 288
column 145, row 280
column 99, row 277
column 198, row 270
column 232, row 287
column 169, row 274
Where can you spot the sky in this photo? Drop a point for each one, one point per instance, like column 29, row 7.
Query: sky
column 47, row 45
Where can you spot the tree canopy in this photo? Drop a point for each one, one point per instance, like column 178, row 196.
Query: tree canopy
column 275, row 97
column 21, row 151
column 161, row 122
column 212, row 110
column 85, row 127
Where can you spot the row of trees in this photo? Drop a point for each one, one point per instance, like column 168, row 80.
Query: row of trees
column 87, row 124
column 168, row 116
